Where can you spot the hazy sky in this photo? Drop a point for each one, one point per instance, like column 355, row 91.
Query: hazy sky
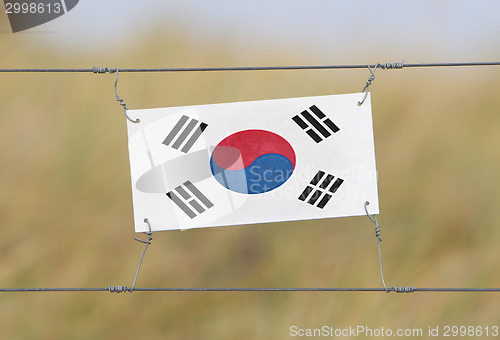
column 427, row 29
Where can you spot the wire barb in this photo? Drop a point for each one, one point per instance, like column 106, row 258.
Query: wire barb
column 102, row 70
column 393, row 66
column 385, row 66
column 404, row 289
column 118, row 289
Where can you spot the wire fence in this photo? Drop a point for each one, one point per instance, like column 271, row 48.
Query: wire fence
column 122, row 289
column 398, row 65
column 371, row 67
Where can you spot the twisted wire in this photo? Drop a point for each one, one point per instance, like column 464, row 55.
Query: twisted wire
column 404, row 289
column 147, row 242
column 368, row 83
column 377, row 234
column 392, row 66
column 104, row 70
column 120, row 289
column 117, row 289
column 247, row 68
column 118, row 99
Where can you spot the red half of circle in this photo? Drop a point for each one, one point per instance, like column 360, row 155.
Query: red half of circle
column 250, row 144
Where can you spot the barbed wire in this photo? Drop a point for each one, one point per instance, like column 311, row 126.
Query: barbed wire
column 398, row 65
column 120, row 289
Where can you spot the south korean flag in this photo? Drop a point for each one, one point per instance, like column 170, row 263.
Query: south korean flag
column 252, row 162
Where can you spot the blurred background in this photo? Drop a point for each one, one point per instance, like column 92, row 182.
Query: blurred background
column 65, row 200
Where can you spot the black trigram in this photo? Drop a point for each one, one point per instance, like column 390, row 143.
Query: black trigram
column 187, row 134
column 190, row 199
column 317, row 126
column 320, row 189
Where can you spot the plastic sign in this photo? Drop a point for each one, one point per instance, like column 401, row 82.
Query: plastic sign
column 252, row 162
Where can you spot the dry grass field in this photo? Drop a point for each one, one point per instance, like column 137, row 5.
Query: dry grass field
column 66, row 207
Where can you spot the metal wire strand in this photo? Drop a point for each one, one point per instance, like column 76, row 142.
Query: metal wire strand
column 122, row 289
column 368, row 83
column 147, row 243
column 377, row 234
column 247, row 68
column 118, row 99
column 119, row 289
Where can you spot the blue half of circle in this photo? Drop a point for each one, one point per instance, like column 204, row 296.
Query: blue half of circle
column 266, row 173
